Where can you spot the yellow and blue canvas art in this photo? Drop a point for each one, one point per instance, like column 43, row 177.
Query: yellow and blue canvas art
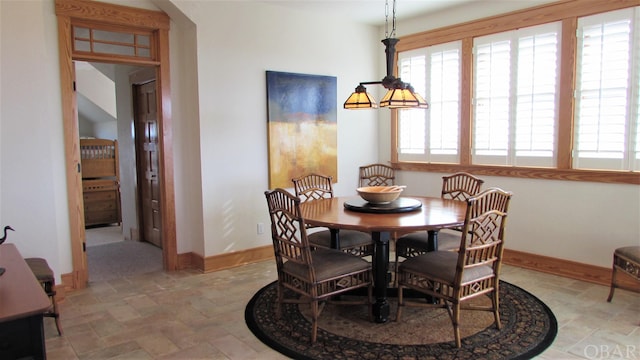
column 302, row 126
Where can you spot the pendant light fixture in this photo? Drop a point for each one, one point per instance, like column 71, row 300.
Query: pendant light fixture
column 399, row 94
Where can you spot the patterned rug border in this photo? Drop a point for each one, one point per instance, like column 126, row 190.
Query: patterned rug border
column 511, row 342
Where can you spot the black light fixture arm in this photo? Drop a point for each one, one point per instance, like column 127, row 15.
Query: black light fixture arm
column 390, row 51
column 389, row 81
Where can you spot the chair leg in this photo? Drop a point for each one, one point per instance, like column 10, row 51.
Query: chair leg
column 455, row 319
column 279, row 301
column 49, row 287
column 370, row 295
column 56, row 314
column 397, row 252
column 495, row 299
column 314, row 326
column 58, row 326
column 613, row 283
column 400, row 303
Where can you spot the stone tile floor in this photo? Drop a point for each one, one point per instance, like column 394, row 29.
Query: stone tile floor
column 189, row 315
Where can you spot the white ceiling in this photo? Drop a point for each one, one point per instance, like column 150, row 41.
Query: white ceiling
column 369, row 11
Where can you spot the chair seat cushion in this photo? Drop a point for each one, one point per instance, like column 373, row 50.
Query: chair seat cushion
column 419, row 240
column 328, row 263
column 442, row 265
column 348, row 238
column 40, row 269
column 630, row 252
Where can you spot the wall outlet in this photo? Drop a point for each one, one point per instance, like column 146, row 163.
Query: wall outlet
column 260, row 228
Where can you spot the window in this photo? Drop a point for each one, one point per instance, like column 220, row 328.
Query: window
column 515, row 97
column 549, row 92
column 431, row 135
column 606, row 131
column 88, row 39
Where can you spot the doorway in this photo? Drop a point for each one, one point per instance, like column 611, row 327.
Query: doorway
column 75, row 20
column 106, row 99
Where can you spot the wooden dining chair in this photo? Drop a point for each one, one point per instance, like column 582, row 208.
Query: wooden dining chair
column 455, row 277
column 376, row 175
column 306, row 276
column 459, row 186
column 46, row 278
column 313, row 187
column 626, row 260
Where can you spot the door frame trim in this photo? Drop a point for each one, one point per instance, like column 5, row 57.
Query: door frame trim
column 124, row 17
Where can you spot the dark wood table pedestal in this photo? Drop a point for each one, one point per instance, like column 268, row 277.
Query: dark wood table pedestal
column 382, row 274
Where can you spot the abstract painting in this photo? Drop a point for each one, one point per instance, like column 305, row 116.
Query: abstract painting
column 302, row 126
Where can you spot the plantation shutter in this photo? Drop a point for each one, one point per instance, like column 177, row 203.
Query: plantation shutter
column 491, row 99
column 515, row 97
column 412, row 123
column 606, row 124
column 431, row 135
column 536, row 103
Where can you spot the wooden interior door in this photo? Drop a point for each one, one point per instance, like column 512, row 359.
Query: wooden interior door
column 146, row 125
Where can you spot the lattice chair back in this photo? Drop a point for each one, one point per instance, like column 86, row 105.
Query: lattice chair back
column 287, row 229
column 313, row 187
column 460, row 186
column 377, row 175
column 482, row 241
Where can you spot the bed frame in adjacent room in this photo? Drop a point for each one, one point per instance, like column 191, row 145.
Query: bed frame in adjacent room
column 100, row 181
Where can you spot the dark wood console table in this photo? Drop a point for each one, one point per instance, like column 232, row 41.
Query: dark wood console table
column 22, row 304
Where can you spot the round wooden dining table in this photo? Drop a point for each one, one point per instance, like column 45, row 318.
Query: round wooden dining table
column 414, row 214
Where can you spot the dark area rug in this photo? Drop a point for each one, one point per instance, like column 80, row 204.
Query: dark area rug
column 346, row 332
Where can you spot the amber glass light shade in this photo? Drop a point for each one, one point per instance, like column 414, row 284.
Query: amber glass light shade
column 360, row 99
column 399, row 98
column 422, row 103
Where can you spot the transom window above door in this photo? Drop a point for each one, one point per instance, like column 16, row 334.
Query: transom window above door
column 93, row 40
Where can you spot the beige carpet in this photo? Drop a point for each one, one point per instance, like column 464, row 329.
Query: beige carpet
column 101, row 235
column 110, row 257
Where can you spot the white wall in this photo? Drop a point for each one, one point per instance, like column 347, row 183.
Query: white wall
column 186, row 130
column 578, row 221
column 96, row 87
column 33, row 196
column 233, row 53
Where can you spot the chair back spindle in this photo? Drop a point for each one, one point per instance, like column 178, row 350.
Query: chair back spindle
column 460, row 186
column 376, row 175
column 313, row 187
